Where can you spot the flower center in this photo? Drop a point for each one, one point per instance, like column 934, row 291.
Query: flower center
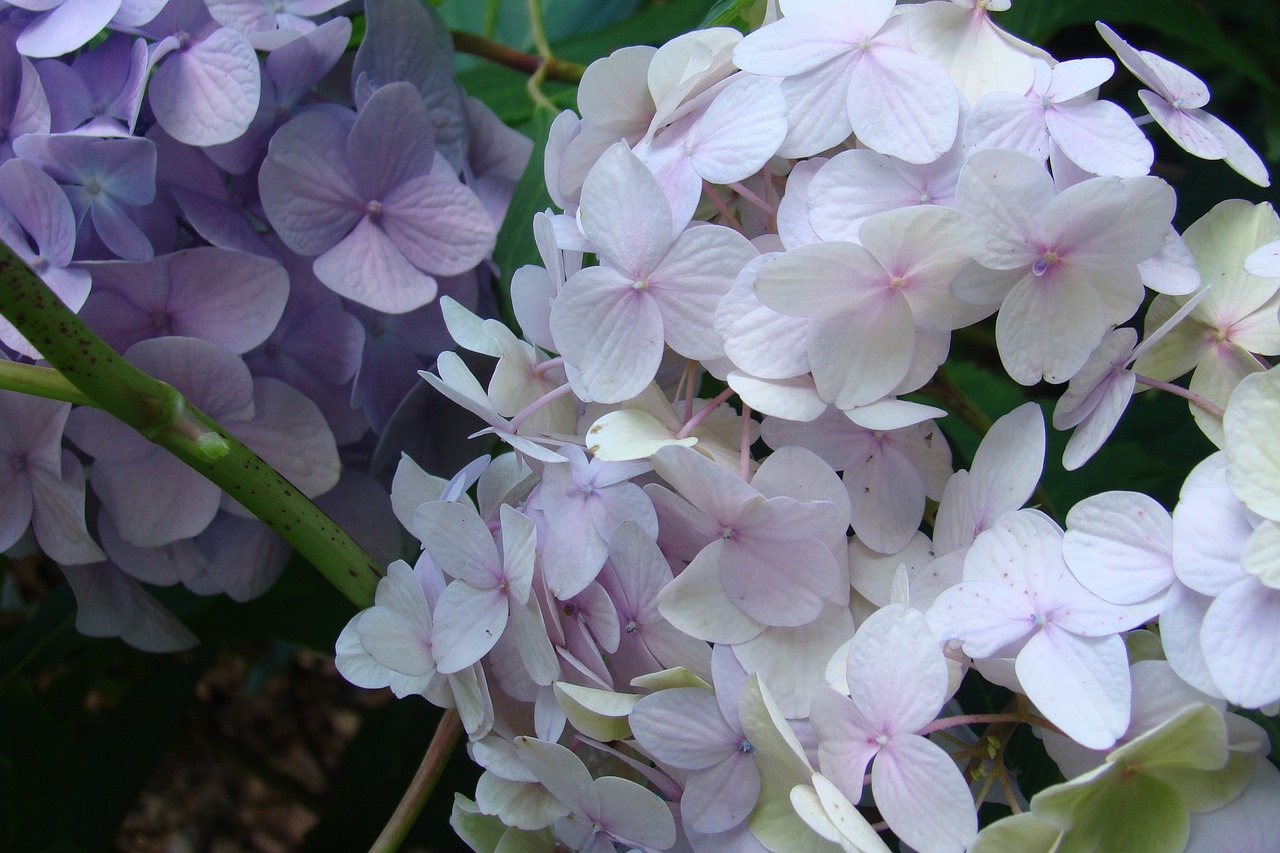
column 1042, row 264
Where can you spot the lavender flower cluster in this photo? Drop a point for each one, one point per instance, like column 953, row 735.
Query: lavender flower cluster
column 264, row 219
column 659, row 637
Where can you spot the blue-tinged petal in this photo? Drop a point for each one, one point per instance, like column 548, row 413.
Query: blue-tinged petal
column 207, row 93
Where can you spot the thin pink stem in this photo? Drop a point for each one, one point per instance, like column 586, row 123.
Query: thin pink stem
column 690, row 374
column 551, row 363
column 721, row 206
column 1177, row 390
column 549, row 397
column 692, row 424
column 754, row 199
column 984, row 719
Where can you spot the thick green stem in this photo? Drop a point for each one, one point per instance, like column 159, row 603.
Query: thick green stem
column 159, row 412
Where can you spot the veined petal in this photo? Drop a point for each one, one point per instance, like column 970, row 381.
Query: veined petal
column 208, row 93
column 903, row 105
column 438, row 224
column 624, row 213
column 922, row 795
column 1081, row 684
column 611, row 330
column 368, row 267
column 468, row 623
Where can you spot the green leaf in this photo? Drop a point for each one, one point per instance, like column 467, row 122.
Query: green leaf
column 116, row 754
column 745, row 15
column 1020, row 833
column 1185, row 20
column 516, row 246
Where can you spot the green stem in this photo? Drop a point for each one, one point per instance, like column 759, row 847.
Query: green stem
column 40, row 382
column 424, row 781
column 159, row 412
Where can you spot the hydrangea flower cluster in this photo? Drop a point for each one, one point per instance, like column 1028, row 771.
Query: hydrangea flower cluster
column 672, row 622
column 258, row 225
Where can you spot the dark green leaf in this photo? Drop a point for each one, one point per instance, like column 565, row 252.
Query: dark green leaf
column 516, row 246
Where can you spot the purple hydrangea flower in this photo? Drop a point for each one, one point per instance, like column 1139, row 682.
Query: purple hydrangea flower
column 407, row 41
column 100, row 92
column 289, row 74
column 270, row 23
column 40, row 483
column 228, row 298
column 24, row 108
column 205, row 86
column 34, row 211
column 156, row 499
column 104, row 179
column 372, row 200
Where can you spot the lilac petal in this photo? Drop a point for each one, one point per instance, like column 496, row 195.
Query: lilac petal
column 624, row 213
column 438, row 224
column 984, row 616
column 299, row 65
column 213, row 379
column 561, row 772
column 695, row 603
column 740, row 131
column 1081, row 684
column 119, row 232
column 307, row 190
column 610, row 331
column 721, row 797
column 156, row 500
column 66, row 27
column 290, row 434
column 529, row 631
column 392, row 140
column 1241, row 644
column 405, row 40
column 1119, row 545
column 111, row 604
column 903, row 105
column 208, row 93
column 458, row 541
column 683, row 727
column 57, row 518
column 896, row 671
column 888, row 499
column 634, row 814
column 230, row 298
column 16, row 502
column 1100, row 137
column 922, row 795
column 41, row 208
column 368, row 267
column 846, row 742
column 753, row 578
column 1007, row 120
column 468, row 623
column 177, row 562
column 247, row 556
column 136, row 13
column 862, row 356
